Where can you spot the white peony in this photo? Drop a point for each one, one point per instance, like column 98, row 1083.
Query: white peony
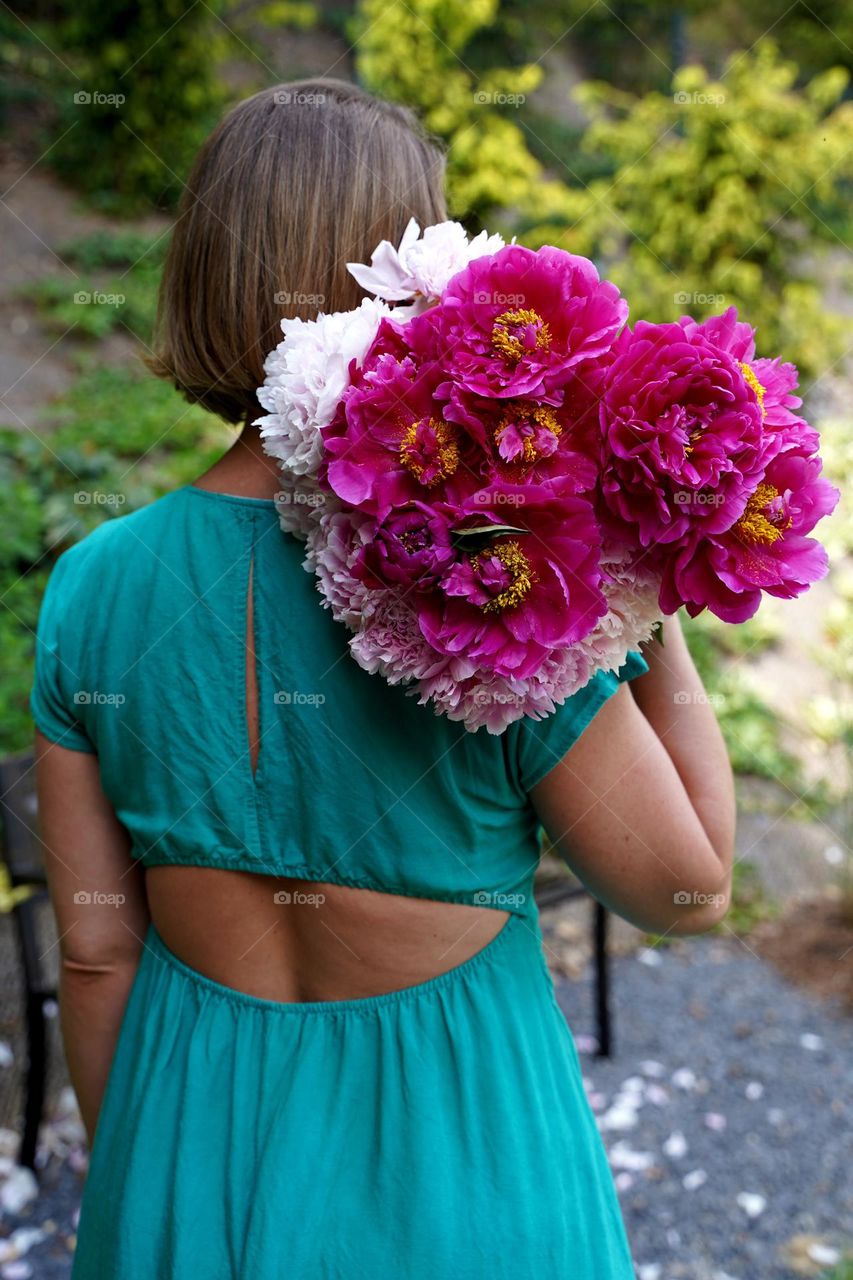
column 632, row 591
column 306, row 376
column 333, row 546
column 421, row 265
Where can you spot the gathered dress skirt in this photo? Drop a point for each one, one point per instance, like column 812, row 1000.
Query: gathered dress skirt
column 437, row 1132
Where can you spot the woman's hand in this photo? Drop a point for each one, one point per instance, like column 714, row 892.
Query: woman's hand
column 642, row 807
column 98, row 895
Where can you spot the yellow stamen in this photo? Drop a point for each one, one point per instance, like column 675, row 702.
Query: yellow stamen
column 541, row 415
column 752, row 381
column 447, row 455
column 755, row 525
column 513, row 558
column 508, row 343
column 691, row 444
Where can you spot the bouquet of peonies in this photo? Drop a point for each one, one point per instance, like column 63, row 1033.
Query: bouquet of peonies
column 502, row 487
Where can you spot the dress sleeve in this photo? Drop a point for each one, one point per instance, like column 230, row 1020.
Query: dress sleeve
column 541, row 744
column 55, row 695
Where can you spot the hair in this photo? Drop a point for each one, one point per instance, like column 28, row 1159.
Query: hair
column 292, row 184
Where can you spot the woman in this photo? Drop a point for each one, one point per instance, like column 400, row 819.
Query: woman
column 304, row 999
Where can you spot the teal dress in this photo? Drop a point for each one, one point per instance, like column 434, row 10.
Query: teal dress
column 437, row 1131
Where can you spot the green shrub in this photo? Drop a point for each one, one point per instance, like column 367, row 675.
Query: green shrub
column 720, row 195
column 144, row 89
column 118, row 431
column 416, row 52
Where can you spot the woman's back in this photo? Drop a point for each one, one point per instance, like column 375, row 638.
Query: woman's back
column 281, row 799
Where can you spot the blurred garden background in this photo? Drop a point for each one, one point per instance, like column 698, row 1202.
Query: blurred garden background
column 702, row 155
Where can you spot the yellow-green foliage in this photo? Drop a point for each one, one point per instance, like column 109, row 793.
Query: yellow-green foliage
column 414, row 51
column 720, row 191
column 720, row 195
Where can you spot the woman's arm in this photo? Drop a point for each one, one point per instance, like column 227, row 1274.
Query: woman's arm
column 673, row 699
column 98, row 895
column 642, row 806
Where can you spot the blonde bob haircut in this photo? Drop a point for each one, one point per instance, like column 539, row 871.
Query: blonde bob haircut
column 293, row 183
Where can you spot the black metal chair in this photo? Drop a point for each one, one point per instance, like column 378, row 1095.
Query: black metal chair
column 22, row 855
column 551, row 891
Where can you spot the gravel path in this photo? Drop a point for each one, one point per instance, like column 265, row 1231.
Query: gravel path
column 726, row 1112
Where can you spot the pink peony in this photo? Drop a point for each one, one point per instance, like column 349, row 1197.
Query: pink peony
column 389, row 443
column 332, row 548
column 500, row 493
column 527, row 441
column 682, row 439
column 388, row 642
column 773, row 381
column 631, row 588
column 409, row 548
column 507, row 605
column 765, row 549
column 517, row 323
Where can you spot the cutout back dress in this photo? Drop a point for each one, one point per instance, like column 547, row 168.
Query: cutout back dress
column 437, row 1131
